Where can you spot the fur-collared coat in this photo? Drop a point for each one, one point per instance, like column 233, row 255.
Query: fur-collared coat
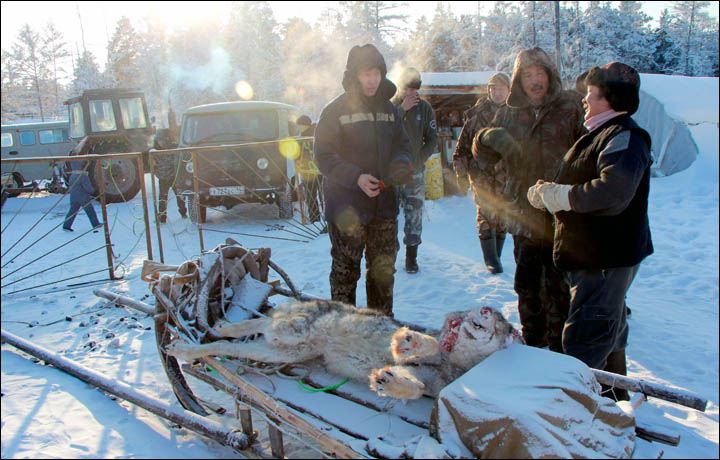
column 545, row 133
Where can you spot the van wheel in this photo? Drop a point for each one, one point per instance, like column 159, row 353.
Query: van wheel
column 18, row 182
column 193, row 211
column 284, row 203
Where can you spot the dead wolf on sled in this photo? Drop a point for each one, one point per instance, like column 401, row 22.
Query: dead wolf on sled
column 363, row 345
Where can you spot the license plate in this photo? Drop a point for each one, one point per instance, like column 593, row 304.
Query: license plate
column 222, row 191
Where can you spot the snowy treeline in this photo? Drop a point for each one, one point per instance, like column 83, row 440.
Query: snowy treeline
column 302, row 63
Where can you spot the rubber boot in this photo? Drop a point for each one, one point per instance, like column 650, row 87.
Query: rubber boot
column 499, row 243
column 617, row 365
column 489, row 250
column 411, row 265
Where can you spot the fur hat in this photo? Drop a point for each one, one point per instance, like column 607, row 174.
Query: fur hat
column 619, row 83
column 410, row 78
column 526, row 58
column 499, row 79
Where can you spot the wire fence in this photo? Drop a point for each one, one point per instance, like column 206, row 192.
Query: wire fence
column 31, row 255
column 203, row 179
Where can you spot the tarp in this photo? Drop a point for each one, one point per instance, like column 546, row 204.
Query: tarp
column 524, row 402
column 673, row 146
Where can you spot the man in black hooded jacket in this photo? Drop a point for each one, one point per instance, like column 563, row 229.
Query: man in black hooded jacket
column 361, row 149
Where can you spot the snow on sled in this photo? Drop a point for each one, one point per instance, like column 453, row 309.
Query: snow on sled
column 352, row 383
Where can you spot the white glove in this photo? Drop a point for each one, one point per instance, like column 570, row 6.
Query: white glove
column 555, row 197
column 533, row 195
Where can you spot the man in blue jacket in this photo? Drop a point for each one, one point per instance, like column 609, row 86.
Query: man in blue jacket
column 361, row 149
column 82, row 193
column 600, row 203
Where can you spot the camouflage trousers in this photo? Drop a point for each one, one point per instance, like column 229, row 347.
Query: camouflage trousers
column 543, row 294
column 412, row 199
column 164, row 187
column 378, row 239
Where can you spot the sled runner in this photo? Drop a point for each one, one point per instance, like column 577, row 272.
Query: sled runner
column 333, row 416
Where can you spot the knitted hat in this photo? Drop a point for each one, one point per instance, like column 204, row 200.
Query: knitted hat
column 303, row 120
column 499, row 79
column 410, row 78
column 619, row 83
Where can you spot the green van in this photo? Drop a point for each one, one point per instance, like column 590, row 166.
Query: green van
column 28, row 140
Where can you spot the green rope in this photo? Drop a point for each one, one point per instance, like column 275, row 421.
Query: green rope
column 331, row 387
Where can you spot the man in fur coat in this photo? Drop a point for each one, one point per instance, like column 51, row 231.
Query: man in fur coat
column 361, row 149
column 531, row 134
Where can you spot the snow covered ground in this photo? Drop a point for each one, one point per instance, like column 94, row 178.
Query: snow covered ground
column 46, row 413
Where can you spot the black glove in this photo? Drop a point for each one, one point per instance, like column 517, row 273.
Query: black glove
column 400, row 173
column 499, row 140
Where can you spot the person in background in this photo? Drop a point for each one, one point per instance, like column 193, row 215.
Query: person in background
column 599, row 200
column 310, row 177
column 82, row 193
column 531, row 134
column 486, row 176
column 419, row 121
column 167, row 168
column 361, row 149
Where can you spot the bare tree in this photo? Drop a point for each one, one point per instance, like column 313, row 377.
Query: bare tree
column 28, row 55
column 55, row 52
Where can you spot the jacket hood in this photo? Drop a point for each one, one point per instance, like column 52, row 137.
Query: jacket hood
column 362, row 58
column 526, row 58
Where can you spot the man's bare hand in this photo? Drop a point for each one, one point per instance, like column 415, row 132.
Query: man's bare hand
column 410, row 101
column 369, row 184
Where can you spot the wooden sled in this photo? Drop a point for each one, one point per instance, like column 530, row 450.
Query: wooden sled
column 296, row 399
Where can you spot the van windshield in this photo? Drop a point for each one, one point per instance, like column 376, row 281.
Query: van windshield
column 230, row 127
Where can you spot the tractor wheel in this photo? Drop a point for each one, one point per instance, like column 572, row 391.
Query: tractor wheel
column 121, row 178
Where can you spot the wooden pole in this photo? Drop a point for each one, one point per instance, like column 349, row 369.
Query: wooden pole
column 125, row 301
column 155, row 208
column 148, row 240
column 194, row 422
column 196, row 186
column 682, row 397
column 103, row 208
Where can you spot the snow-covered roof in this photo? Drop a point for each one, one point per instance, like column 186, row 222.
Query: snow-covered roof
column 456, row 78
column 690, row 99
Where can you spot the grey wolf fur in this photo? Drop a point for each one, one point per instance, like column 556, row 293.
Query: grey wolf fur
column 363, row 345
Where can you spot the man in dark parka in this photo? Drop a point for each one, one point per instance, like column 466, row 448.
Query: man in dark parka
column 361, row 149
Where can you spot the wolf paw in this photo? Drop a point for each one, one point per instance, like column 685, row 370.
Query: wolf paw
column 408, row 345
column 396, row 382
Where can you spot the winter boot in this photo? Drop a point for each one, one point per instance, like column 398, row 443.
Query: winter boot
column 617, row 365
column 411, row 265
column 499, row 243
column 489, row 250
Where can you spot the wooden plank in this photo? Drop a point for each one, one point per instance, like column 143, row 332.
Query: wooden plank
column 266, row 403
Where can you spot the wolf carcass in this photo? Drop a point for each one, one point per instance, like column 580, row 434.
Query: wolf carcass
column 362, row 345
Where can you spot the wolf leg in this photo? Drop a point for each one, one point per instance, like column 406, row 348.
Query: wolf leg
column 408, row 345
column 257, row 350
column 242, row 328
column 397, row 382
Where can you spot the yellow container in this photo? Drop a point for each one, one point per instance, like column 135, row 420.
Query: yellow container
column 433, row 178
